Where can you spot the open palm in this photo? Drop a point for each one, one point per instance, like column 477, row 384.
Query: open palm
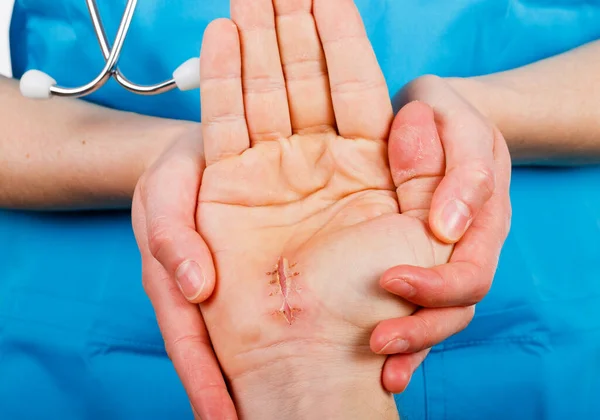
column 298, row 203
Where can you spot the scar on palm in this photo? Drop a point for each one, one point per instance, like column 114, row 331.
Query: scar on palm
column 282, row 279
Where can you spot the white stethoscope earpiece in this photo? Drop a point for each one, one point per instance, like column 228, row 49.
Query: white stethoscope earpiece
column 36, row 84
column 39, row 85
column 187, row 75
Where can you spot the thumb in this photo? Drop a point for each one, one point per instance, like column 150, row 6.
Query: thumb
column 169, row 195
column 184, row 255
column 416, row 158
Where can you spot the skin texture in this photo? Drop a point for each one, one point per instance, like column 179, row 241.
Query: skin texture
column 546, row 110
column 314, row 190
column 69, row 154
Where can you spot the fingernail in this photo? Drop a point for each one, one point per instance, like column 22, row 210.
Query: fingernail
column 456, row 218
column 402, row 287
column 190, row 279
column 398, row 345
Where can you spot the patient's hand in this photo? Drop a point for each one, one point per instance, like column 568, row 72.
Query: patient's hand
column 300, row 209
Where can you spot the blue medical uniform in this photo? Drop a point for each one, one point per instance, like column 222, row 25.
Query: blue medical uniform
column 78, row 338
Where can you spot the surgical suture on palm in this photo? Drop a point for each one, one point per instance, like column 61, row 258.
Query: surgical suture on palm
column 282, row 281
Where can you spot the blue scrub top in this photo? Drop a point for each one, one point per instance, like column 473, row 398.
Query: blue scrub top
column 78, row 337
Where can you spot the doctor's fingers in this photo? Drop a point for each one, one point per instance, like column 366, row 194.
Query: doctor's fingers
column 188, row 345
column 468, row 276
column 358, row 89
column 424, row 329
column 468, row 141
column 408, row 340
column 186, row 339
column 167, row 196
column 398, row 370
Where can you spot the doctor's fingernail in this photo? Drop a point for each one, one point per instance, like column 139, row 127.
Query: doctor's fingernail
column 456, row 218
column 190, row 279
column 398, row 345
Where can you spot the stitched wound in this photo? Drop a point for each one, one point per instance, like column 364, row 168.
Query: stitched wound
column 284, row 285
column 283, row 280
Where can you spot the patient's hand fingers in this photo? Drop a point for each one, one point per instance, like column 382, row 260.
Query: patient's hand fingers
column 223, row 117
column 360, row 96
column 422, row 330
column 265, row 94
column 399, row 368
column 416, row 158
column 304, row 66
column 181, row 324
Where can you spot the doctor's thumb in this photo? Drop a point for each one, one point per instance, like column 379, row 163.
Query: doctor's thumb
column 186, row 258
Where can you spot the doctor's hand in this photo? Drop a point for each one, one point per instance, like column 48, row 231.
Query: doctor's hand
column 176, row 264
column 470, row 207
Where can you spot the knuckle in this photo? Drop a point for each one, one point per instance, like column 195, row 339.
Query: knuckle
column 184, row 344
column 262, row 135
column 150, row 181
column 425, row 88
column 356, row 85
column 190, row 341
column 483, row 177
column 422, row 83
column 449, row 284
column 442, row 287
column 223, row 118
column 481, row 288
column 141, row 188
column 303, row 69
column 420, row 335
column 218, row 154
column 260, row 84
column 159, row 237
column 145, row 279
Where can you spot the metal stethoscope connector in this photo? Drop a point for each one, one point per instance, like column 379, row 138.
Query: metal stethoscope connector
column 39, row 85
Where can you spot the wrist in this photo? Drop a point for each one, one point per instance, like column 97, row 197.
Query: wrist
column 140, row 141
column 482, row 95
column 494, row 98
column 160, row 135
column 346, row 386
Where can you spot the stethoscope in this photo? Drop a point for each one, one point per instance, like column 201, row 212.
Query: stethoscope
column 39, row 85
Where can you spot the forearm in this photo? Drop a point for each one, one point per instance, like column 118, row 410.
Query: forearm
column 548, row 111
column 63, row 153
